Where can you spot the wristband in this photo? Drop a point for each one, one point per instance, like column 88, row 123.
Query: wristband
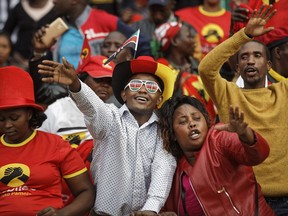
column 249, row 35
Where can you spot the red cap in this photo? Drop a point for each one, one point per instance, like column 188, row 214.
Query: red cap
column 166, row 32
column 95, row 67
column 16, row 89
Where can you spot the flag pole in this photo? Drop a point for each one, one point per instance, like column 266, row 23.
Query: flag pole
column 131, row 42
column 138, row 33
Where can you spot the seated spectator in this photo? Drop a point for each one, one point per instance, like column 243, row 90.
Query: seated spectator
column 160, row 11
column 177, row 45
column 6, row 48
column 134, row 11
column 211, row 22
column 67, row 121
column 177, row 41
column 31, row 181
column 112, row 43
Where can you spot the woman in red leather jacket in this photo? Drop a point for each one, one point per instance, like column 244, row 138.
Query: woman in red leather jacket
column 214, row 174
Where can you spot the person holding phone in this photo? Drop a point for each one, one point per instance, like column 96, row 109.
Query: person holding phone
column 23, row 20
column 95, row 24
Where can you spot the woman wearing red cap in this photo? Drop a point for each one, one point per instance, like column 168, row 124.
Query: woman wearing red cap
column 178, row 45
column 34, row 162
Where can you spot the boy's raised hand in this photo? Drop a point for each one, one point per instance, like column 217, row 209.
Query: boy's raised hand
column 60, row 73
column 259, row 18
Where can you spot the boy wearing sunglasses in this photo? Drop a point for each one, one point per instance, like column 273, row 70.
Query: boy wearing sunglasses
column 131, row 170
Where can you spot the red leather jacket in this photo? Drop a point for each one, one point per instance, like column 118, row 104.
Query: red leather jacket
column 222, row 177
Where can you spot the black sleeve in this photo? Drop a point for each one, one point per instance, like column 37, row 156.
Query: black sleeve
column 12, row 20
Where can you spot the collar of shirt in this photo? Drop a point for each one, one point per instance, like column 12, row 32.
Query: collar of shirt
column 83, row 17
column 124, row 109
column 276, row 75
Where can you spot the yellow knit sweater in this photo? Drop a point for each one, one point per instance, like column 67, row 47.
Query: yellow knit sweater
column 265, row 109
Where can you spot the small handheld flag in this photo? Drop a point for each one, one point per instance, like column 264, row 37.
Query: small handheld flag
column 85, row 55
column 131, row 42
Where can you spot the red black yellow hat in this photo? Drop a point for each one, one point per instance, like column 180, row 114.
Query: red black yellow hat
column 16, row 89
column 143, row 64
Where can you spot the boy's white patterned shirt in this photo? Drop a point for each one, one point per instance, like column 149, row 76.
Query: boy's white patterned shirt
column 131, row 170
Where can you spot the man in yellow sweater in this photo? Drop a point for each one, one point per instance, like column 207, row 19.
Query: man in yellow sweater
column 266, row 109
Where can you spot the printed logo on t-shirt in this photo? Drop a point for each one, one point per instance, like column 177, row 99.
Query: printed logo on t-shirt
column 14, row 175
column 75, row 139
column 213, row 33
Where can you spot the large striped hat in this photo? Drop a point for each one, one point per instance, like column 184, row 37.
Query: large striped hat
column 143, row 64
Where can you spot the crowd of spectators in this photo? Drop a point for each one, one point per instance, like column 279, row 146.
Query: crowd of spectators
column 132, row 121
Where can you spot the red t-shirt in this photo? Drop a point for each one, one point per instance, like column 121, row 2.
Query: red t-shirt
column 31, row 173
column 212, row 27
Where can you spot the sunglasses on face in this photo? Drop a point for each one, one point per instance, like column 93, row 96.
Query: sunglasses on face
column 136, row 84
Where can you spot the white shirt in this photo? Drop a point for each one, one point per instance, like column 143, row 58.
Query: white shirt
column 65, row 119
column 131, row 170
column 240, row 82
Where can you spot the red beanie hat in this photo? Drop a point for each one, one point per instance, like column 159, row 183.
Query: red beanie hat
column 166, row 32
column 16, row 89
